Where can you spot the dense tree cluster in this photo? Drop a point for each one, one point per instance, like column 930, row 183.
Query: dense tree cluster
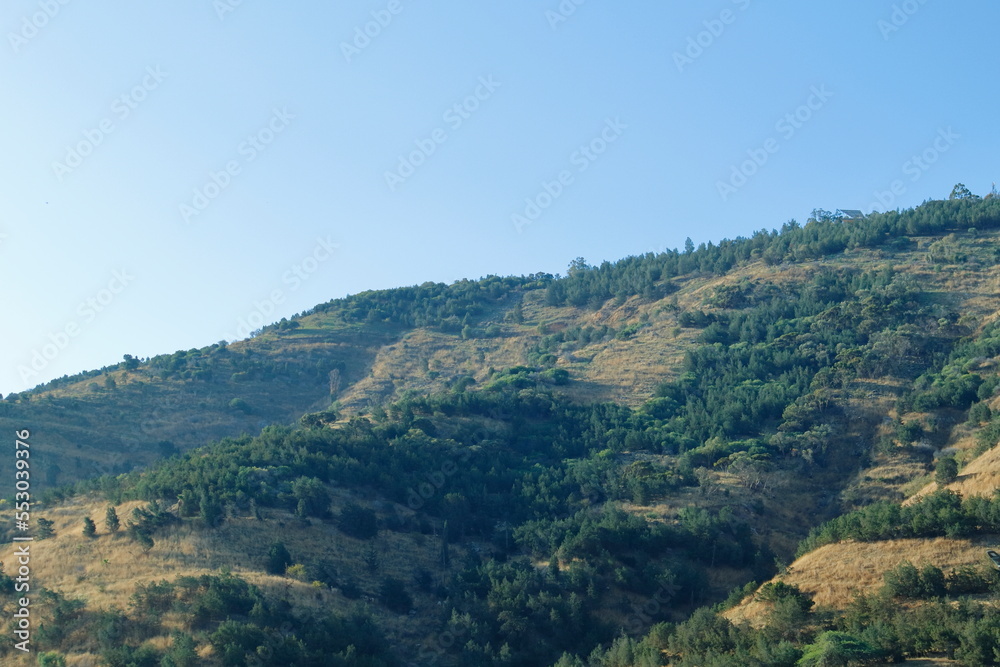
column 448, row 307
column 874, row 629
column 516, row 467
column 539, row 484
column 765, row 377
column 241, row 623
column 649, row 275
column 943, row 513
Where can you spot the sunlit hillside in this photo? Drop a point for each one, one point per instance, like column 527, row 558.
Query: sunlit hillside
column 546, row 470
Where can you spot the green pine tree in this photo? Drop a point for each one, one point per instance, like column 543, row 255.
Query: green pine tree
column 111, row 521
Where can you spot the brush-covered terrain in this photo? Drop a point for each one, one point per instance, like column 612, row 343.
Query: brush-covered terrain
column 590, row 469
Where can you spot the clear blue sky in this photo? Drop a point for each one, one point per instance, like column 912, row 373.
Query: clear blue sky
column 309, row 129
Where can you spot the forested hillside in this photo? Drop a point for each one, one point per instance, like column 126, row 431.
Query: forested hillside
column 620, row 328
column 545, row 470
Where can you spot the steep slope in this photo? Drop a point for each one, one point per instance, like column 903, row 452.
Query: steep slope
column 534, row 464
column 110, row 569
column 132, row 414
column 834, row 574
column 616, row 328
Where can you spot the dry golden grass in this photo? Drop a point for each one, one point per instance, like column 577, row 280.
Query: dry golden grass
column 625, row 371
column 382, row 365
column 105, row 571
column 426, row 360
column 981, row 477
column 885, row 481
column 835, row 573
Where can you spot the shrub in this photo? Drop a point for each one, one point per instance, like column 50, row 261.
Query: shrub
column 779, row 591
column 51, row 659
column 909, row 432
column 556, row 376
column 946, row 470
column 837, row 648
column 357, row 521
column 241, row 405
column 322, row 571
column 45, row 529
column 278, row 558
column 393, row 594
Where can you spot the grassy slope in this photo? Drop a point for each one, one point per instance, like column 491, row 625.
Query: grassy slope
column 834, row 573
column 87, row 431
column 381, row 364
column 80, row 431
column 106, row 570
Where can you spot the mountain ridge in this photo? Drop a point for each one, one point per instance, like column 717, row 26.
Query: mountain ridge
column 541, row 448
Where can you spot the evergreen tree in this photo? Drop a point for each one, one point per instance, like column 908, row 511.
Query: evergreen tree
column 961, row 192
column 45, row 529
column 278, row 558
column 51, row 659
column 111, row 521
column 837, row 649
column 517, row 315
column 394, row 595
column 182, row 651
column 371, row 558
column 946, row 470
column 143, row 539
column 445, row 553
column 209, row 511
